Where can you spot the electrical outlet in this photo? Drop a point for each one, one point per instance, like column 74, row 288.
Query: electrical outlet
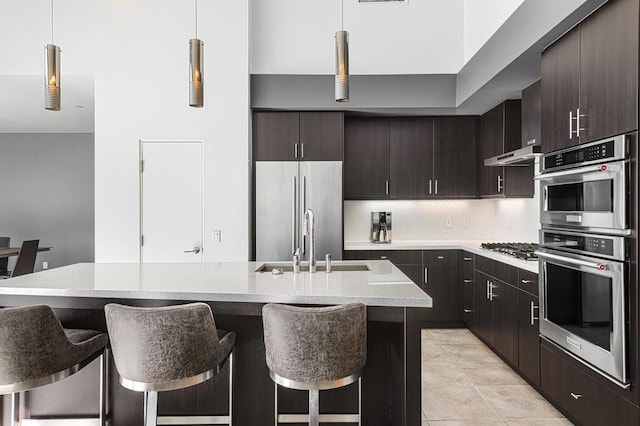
column 465, row 221
column 45, row 265
column 217, row 236
column 509, row 225
column 448, row 221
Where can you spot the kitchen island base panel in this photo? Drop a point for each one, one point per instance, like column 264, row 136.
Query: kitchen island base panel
column 391, row 387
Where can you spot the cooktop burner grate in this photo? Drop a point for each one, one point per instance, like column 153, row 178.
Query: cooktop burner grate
column 524, row 251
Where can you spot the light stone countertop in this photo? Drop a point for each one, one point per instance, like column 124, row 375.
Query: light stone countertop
column 472, row 246
column 383, row 285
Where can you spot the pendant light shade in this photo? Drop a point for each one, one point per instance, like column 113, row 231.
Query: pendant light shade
column 196, row 76
column 342, row 66
column 52, row 77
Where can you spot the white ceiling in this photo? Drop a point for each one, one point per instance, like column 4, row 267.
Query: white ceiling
column 287, row 37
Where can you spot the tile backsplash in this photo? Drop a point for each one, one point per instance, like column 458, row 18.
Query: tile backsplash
column 485, row 219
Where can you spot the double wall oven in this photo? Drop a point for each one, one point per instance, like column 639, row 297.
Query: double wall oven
column 584, row 253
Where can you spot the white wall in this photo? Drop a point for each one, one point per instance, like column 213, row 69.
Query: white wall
column 481, row 20
column 141, row 92
column 417, row 37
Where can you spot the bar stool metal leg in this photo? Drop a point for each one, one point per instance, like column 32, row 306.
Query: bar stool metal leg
column 230, row 388
column 314, row 407
column 151, row 408
column 104, row 387
column 15, row 408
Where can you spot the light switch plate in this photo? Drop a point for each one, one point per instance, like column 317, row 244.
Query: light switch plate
column 465, row 221
column 217, row 236
column 448, row 222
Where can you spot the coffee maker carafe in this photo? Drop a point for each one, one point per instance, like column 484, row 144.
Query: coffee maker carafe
column 380, row 227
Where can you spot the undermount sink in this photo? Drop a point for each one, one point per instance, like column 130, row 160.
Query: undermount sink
column 288, row 267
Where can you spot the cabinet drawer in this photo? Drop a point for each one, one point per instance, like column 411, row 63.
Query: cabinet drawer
column 434, row 257
column 528, row 281
column 580, row 395
column 398, row 257
column 355, row 255
column 499, row 270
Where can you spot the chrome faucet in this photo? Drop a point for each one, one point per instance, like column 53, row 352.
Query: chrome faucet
column 310, row 230
column 296, row 261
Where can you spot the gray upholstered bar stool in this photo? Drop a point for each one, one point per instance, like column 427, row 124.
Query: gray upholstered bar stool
column 35, row 351
column 168, row 348
column 315, row 349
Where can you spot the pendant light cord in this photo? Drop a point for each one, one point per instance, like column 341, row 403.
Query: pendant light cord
column 196, row 2
column 51, row 21
column 341, row 15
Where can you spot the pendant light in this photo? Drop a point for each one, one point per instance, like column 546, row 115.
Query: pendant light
column 196, row 67
column 52, row 73
column 342, row 62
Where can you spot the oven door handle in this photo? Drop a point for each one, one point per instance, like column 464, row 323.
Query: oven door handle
column 594, row 265
column 581, row 170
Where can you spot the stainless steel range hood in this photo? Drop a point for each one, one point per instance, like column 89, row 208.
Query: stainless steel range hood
column 514, row 158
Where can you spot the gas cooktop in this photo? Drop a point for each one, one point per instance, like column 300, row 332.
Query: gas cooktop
column 524, row 251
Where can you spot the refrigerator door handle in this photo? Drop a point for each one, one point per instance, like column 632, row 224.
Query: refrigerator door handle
column 295, row 213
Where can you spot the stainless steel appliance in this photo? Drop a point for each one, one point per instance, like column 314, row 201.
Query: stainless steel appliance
column 284, row 191
column 584, row 298
column 524, row 251
column 380, row 227
column 586, row 187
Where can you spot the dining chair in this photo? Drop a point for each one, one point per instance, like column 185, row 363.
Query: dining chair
column 4, row 262
column 26, row 261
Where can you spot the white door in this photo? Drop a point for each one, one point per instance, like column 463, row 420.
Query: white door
column 171, row 201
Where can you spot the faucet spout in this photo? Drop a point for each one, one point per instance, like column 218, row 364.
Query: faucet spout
column 310, row 230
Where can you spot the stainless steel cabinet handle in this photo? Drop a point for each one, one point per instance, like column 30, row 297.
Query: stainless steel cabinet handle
column 429, row 186
column 194, row 250
column 436, row 186
column 295, row 214
column 526, row 281
column 302, row 150
column 383, row 257
column 499, row 183
column 570, row 124
column 386, row 186
column 440, row 257
column 468, row 281
column 488, row 290
column 466, row 259
column 295, row 150
column 576, row 395
column 578, row 128
column 533, row 318
column 491, row 295
column 466, row 311
column 426, row 275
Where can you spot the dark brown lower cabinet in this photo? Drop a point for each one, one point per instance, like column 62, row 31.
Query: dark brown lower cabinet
column 504, row 299
column 441, row 283
column 528, row 337
column 580, row 396
column 482, row 307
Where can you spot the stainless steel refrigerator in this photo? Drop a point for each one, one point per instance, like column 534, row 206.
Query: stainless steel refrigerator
column 284, row 191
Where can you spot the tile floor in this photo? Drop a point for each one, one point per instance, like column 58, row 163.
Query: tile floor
column 465, row 383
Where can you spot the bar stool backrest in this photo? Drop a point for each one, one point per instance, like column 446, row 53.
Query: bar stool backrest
column 161, row 345
column 33, row 345
column 27, row 258
column 315, row 345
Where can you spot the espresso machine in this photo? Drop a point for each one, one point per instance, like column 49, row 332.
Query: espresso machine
column 380, row 227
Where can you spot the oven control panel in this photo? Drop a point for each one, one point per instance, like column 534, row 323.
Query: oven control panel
column 598, row 152
column 588, row 244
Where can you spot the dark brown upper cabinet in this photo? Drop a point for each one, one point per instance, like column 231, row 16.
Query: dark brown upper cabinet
column 366, row 158
column 454, row 156
column 411, row 157
column 298, row 136
column 531, row 110
column 501, row 132
column 590, row 78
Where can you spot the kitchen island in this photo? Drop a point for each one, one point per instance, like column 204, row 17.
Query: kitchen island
column 236, row 292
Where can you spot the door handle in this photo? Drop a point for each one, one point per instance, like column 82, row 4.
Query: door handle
column 426, row 275
column 500, row 184
column 467, row 311
column 195, row 250
column 386, row 187
column 295, row 150
column 302, row 150
column 576, row 395
column 436, row 187
column 429, row 186
column 533, row 318
column 570, row 124
column 467, row 281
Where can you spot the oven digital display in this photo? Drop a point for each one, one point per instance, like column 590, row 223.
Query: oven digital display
column 601, row 151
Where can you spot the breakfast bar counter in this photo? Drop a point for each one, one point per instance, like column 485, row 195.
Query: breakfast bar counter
column 236, row 292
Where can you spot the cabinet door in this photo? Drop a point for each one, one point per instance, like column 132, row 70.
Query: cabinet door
column 560, row 91
column 454, row 154
column 275, row 136
column 321, row 136
column 518, row 181
column 366, row 158
column 491, row 144
column 411, row 157
column 413, row 271
column 531, row 110
column 528, row 337
column 483, row 309
column 504, row 299
column 440, row 282
column 609, row 71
